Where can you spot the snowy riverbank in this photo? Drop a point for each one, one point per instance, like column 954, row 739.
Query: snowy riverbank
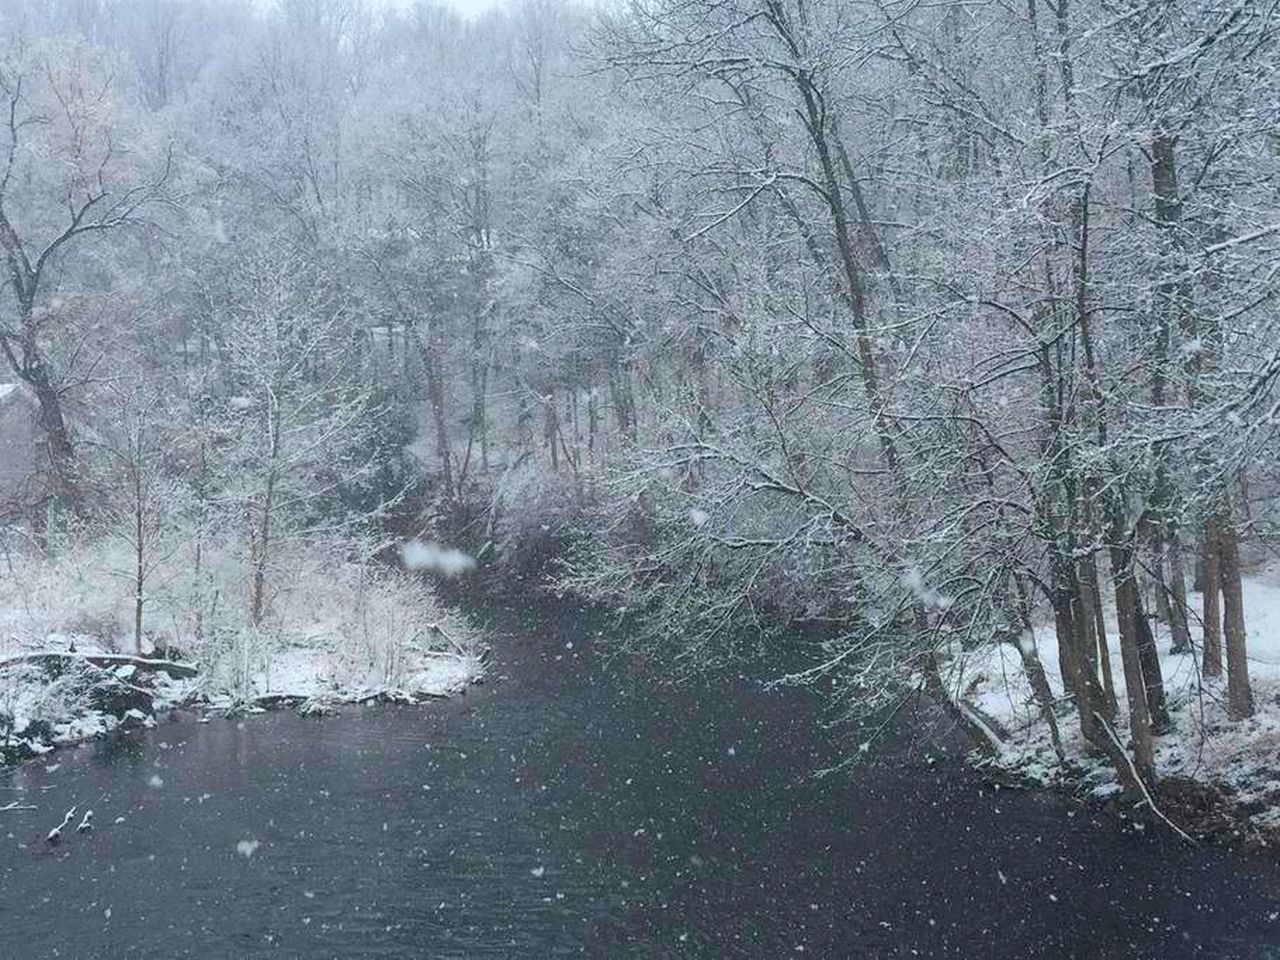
column 50, row 699
column 1240, row 759
column 336, row 632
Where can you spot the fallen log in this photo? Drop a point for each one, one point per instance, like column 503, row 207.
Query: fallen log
column 106, row 661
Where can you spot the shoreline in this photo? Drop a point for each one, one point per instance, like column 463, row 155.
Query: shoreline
column 124, row 699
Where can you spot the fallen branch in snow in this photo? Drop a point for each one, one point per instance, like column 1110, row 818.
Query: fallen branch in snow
column 435, row 628
column 1138, row 780
column 984, row 732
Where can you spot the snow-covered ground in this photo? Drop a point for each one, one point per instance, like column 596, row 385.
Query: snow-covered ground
column 336, row 632
column 1203, row 745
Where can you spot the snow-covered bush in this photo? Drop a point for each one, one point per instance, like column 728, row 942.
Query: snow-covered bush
column 80, row 595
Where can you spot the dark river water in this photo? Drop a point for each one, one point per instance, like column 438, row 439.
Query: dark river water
column 572, row 809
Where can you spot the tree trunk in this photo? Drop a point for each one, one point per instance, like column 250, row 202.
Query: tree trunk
column 551, row 427
column 1034, row 669
column 53, row 424
column 983, row 733
column 1178, row 622
column 1091, row 602
column 1099, row 705
column 1150, row 656
column 1043, row 693
column 431, row 349
column 592, row 421
column 1239, row 692
column 139, row 555
column 1164, row 613
column 1064, row 624
column 261, row 540
column 1212, row 616
column 479, row 389
column 1126, row 590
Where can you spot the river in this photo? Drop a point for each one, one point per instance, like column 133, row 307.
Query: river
column 578, row 807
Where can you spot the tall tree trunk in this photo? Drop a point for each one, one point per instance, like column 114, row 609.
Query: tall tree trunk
column 197, row 566
column 1150, row 656
column 592, row 421
column 1126, row 590
column 1164, row 612
column 139, row 557
column 1064, row 605
column 1098, row 658
column 479, row 412
column 260, row 526
column 57, row 438
column 1178, row 622
column 1212, row 614
column 259, row 551
column 1034, row 669
column 431, row 350
column 1093, row 624
column 1043, row 693
column 1239, row 692
column 551, row 427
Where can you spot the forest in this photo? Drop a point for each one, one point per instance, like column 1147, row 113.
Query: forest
column 904, row 348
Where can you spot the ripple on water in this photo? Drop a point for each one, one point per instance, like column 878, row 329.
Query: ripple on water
column 574, row 810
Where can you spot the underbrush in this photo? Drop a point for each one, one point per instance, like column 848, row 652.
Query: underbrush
column 518, row 525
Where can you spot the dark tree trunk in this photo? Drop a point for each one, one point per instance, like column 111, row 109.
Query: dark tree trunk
column 1178, row 620
column 1126, row 590
column 1064, row 623
column 1239, row 691
column 431, row 349
column 1091, row 600
column 1151, row 673
column 1212, row 618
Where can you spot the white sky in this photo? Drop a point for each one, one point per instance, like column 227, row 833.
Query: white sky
column 465, row 7
column 473, row 6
